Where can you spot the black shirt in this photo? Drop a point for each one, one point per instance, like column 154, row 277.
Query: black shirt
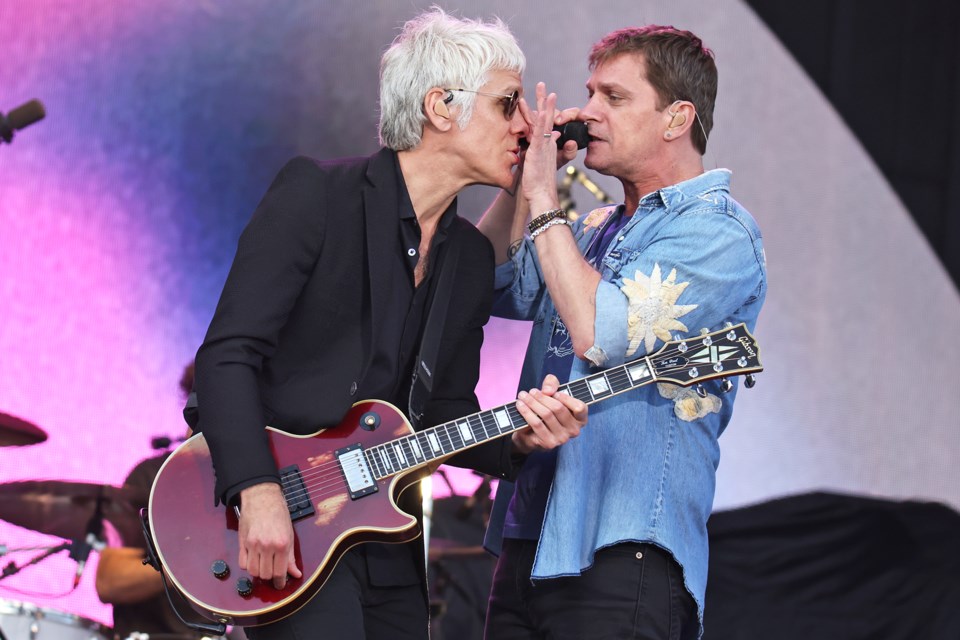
column 395, row 349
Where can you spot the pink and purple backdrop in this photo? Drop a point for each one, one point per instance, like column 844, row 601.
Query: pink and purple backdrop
column 119, row 215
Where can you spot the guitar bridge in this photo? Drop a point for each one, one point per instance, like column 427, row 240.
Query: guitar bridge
column 355, row 471
column 298, row 500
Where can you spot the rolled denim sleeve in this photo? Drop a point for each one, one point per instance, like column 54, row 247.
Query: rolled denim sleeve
column 701, row 268
column 519, row 285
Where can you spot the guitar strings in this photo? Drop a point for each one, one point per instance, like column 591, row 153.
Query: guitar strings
column 326, row 480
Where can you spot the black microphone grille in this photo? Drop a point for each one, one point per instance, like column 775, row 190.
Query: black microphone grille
column 160, row 442
column 573, row 130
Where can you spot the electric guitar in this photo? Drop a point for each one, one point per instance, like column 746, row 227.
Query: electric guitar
column 341, row 483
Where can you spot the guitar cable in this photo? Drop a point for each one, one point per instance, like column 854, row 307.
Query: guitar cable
column 217, row 629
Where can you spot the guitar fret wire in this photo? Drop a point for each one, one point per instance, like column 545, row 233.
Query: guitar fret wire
column 444, row 436
column 449, row 434
column 479, row 424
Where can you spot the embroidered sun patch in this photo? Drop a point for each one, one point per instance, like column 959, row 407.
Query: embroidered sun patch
column 596, row 217
column 687, row 405
column 652, row 312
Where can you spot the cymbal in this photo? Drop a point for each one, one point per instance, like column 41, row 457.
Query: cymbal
column 64, row 509
column 15, row 432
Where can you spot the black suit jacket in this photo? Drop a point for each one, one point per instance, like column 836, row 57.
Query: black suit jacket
column 290, row 341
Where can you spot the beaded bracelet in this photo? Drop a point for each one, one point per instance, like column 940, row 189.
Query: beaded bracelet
column 547, row 225
column 541, row 220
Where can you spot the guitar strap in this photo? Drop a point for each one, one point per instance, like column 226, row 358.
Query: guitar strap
column 422, row 383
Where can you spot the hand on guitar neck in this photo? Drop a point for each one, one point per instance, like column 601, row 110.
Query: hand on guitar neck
column 266, row 534
column 553, row 418
column 341, row 483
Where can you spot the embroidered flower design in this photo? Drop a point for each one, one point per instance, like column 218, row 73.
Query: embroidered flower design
column 596, row 217
column 687, row 405
column 652, row 312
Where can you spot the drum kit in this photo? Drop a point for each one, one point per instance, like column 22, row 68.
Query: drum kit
column 74, row 511
column 77, row 511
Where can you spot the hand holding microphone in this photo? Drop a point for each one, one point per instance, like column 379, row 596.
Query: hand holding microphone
column 573, row 130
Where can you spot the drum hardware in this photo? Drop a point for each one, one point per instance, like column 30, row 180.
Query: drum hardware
column 79, row 551
column 41, row 494
column 12, row 568
column 68, row 509
column 15, row 432
column 22, row 621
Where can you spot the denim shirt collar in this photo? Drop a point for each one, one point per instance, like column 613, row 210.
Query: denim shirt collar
column 696, row 187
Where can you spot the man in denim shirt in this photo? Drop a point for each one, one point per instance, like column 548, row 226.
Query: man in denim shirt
column 606, row 536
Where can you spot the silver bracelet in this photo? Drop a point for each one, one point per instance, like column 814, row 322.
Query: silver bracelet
column 551, row 223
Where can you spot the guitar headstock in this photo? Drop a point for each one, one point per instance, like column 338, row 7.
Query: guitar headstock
column 728, row 352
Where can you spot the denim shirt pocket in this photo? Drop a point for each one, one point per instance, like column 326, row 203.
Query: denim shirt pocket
column 614, row 262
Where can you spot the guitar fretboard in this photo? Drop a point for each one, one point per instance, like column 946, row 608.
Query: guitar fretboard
column 422, row 447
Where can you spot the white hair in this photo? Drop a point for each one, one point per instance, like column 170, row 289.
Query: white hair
column 435, row 49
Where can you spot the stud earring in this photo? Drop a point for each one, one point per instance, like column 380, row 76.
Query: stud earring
column 668, row 135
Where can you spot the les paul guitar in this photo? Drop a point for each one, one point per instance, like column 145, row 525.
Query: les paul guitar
column 341, row 483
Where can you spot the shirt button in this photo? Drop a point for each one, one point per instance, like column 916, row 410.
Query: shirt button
column 353, row 388
column 639, row 555
column 411, row 252
column 620, row 239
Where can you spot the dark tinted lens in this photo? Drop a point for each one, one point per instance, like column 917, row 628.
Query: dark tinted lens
column 510, row 104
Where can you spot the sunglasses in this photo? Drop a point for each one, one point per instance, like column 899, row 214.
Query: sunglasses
column 508, row 102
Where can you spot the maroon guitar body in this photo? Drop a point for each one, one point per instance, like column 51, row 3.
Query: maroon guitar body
column 191, row 534
column 341, row 483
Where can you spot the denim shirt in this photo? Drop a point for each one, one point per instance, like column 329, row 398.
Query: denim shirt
column 644, row 468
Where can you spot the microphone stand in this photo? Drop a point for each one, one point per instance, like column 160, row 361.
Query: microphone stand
column 79, row 549
column 12, row 569
column 571, row 174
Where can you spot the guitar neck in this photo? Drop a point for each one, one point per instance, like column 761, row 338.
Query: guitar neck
column 423, row 447
column 683, row 362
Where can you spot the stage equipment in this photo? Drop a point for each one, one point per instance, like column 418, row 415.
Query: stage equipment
column 22, row 621
column 15, row 432
column 20, row 118
column 67, row 509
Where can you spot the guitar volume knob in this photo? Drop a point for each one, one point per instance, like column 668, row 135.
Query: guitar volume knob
column 244, row 587
column 220, row 569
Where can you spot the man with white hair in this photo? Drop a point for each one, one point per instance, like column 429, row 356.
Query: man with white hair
column 328, row 302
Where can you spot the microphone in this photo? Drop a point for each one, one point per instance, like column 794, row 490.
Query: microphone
column 21, row 117
column 573, row 130
column 80, row 552
column 164, row 442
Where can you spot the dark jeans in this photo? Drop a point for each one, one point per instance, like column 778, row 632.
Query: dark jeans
column 632, row 590
column 348, row 607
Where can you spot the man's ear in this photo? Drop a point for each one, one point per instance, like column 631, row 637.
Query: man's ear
column 681, row 113
column 436, row 109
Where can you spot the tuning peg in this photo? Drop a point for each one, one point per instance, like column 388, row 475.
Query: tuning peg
column 749, row 381
column 700, row 391
column 726, row 385
column 704, row 331
column 728, row 325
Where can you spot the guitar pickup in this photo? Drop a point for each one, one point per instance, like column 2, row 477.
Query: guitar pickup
column 356, row 471
column 294, row 490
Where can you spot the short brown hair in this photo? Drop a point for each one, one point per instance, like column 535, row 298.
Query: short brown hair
column 678, row 66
